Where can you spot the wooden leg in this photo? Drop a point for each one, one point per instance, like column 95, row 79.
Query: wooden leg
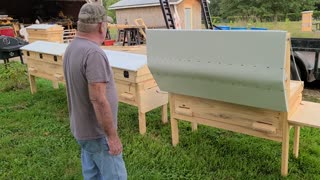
column 33, row 86
column 285, row 148
column 142, row 123
column 124, row 38
column 174, row 131
column 174, row 122
column 55, row 84
column 165, row 114
column 296, row 141
column 194, row 126
column 6, row 63
column 21, row 59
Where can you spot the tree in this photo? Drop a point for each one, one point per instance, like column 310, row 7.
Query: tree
column 108, row 3
column 260, row 8
column 214, row 7
column 242, row 8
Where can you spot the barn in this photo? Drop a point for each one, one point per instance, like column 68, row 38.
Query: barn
column 27, row 11
column 188, row 11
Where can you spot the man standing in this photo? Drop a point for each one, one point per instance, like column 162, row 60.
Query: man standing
column 92, row 98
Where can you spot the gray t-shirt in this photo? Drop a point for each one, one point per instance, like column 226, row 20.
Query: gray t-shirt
column 84, row 62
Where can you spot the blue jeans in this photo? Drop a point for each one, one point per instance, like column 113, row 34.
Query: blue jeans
column 98, row 164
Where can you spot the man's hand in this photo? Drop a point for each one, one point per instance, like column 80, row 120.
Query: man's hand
column 115, row 146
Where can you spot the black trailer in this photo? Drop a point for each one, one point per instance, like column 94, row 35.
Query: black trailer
column 305, row 59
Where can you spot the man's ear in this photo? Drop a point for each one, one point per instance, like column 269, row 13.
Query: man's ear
column 100, row 26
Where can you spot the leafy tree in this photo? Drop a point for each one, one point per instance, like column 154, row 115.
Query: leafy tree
column 259, row 8
column 243, row 8
column 214, row 7
column 108, row 3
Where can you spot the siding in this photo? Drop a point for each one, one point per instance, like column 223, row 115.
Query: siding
column 153, row 16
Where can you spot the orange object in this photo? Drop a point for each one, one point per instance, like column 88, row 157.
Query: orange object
column 307, row 21
column 7, row 31
column 109, row 42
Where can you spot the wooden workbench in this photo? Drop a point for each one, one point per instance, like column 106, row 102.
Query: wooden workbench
column 134, row 81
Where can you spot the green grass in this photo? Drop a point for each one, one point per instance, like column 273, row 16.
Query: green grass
column 293, row 27
column 36, row 143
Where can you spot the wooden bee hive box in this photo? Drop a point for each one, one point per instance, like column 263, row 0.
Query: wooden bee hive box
column 233, row 80
column 45, row 32
column 134, row 81
column 135, row 84
column 45, row 60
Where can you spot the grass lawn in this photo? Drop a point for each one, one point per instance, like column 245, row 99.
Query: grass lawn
column 293, row 27
column 36, row 143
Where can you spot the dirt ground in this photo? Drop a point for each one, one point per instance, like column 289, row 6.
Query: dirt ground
column 312, row 89
column 312, row 92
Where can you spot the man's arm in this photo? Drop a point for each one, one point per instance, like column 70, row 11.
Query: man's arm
column 97, row 94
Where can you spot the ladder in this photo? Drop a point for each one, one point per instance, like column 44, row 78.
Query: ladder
column 207, row 16
column 165, row 6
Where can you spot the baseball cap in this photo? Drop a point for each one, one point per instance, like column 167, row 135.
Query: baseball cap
column 92, row 13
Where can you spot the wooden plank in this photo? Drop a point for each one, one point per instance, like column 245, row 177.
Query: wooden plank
column 164, row 115
column 307, row 114
column 142, row 115
column 295, row 98
column 142, row 123
column 174, row 121
column 285, row 144
column 226, row 126
column 264, row 127
column 296, row 141
column 55, row 84
column 225, row 112
column 287, row 71
column 143, row 71
column 294, row 104
column 33, row 86
column 47, row 58
column 152, row 98
column 130, row 49
column 46, row 76
column 45, row 68
column 119, row 75
column 140, row 22
column 194, row 126
column 123, row 26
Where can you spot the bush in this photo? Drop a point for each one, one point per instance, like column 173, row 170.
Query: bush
column 14, row 77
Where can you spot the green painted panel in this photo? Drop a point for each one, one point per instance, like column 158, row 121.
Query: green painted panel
column 241, row 67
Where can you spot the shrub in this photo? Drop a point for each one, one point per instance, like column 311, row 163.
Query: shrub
column 13, row 77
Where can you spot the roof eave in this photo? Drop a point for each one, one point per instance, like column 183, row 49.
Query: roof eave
column 142, row 5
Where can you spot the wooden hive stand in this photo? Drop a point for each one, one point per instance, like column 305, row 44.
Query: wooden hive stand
column 135, row 84
column 44, row 60
column 230, row 85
